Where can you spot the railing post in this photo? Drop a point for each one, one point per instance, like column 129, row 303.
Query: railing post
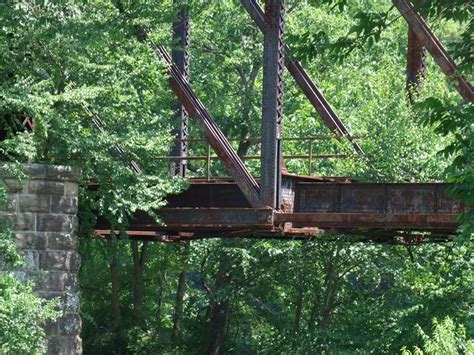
column 310, row 167
column 180, row 55
column 272, row 116
column 208, row 162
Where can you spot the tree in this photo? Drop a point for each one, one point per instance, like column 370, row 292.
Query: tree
column 66, row 64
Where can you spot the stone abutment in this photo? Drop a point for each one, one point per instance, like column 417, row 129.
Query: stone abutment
column 41, row 210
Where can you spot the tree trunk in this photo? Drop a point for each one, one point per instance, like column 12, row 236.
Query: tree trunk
column 299, row 310
column 114, row 297
column 162, row 282
column 218, row 311
column 300, row 291
column 331, row 285
column 331, row 288
column 176, row 334
column 138, row 282
column 314, row 314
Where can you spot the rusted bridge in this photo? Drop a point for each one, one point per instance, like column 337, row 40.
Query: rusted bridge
column 310, row 207
column 278, row 204
column 282, row 205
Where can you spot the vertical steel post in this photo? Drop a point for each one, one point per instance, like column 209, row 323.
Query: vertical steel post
column 272, row 116
column 208, row 165
column 434, row 47
column 306, row 84
column 180, row 55
column 416, row 65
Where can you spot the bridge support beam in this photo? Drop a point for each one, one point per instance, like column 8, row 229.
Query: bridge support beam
column 416, row 65
column 428, row 39
column 303, row 80
column 180, row 55
column 272, row 117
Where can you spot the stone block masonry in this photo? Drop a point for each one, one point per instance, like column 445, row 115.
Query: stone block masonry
column 42, row 212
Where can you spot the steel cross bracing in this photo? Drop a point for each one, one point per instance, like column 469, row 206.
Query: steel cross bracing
column 310, row 206
column 304, row 81
column 211, row 131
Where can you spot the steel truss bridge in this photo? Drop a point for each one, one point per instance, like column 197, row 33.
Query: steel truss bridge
column 281, row 205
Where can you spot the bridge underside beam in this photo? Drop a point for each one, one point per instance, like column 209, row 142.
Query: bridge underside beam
column 381, row 212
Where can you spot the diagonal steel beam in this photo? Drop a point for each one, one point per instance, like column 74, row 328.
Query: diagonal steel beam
column 272, row 102
column 100, row 126
column 312, row 92
column 211, row 131
column 428, row 39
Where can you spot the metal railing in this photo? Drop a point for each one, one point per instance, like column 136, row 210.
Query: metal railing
column 209, row 157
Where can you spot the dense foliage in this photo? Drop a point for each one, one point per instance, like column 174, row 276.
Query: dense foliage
column 64, row 63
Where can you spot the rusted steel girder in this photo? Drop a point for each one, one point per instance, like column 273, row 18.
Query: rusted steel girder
column 180, row 55
column 272, row 103
column 443, row 221
column 309, row 88
column 212, row 133
column 214, row 220
column 319, row 204
column 376, row 211
column 375, row 199
column 429, row 40
column 416, row 64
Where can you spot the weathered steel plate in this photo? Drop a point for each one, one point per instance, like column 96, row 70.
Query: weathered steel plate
column 369, row 220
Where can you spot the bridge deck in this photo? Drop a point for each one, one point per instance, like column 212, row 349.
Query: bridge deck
column 311, row 206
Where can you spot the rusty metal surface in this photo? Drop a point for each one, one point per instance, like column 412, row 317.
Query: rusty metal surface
column 180, row 56
column 209, row 195
column 309, row 88
column 418, row 221
column 429, row 40
column 388, row 213
column 224, row 192
column 272, row 103
column 416, row 64
column 212, row 220
column 211, row 131
column 375, row 198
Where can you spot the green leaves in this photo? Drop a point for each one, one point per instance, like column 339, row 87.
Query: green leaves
column 447, row 338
